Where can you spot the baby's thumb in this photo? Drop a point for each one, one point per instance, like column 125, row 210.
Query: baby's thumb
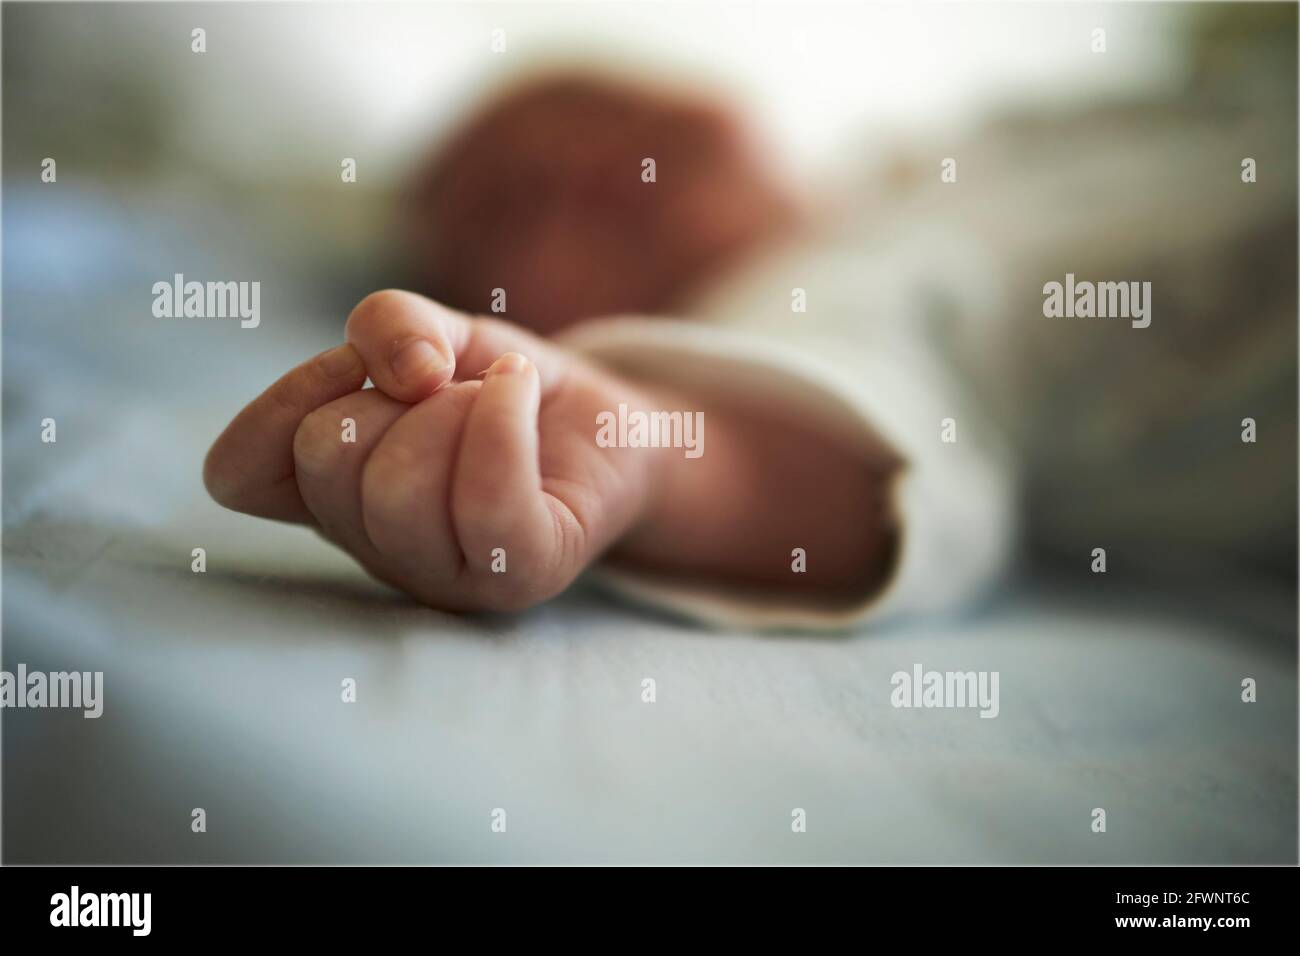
column 408, row 342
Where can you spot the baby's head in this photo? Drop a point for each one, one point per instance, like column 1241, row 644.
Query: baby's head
column 545, row 194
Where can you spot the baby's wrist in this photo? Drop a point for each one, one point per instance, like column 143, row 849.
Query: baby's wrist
column 650, row 427
column 677, row 481
column 650, row 430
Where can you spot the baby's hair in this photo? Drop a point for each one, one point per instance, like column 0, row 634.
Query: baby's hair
column 542, row 193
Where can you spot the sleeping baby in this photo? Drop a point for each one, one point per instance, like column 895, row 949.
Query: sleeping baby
column 782, row 453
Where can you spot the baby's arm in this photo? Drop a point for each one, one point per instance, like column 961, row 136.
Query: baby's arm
column 765, row 486
column 494, row 493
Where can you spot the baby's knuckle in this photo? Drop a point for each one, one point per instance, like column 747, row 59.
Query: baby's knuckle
column 318, row 445
column 388, row 497
column 568, row 538
column 390, row 470
column 479, row 514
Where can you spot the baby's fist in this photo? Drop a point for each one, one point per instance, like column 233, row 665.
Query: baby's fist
column 467, row 493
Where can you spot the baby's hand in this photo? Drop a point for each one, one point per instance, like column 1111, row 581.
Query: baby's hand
column 466, row 492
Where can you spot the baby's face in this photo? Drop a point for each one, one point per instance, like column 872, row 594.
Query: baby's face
column 581, row 198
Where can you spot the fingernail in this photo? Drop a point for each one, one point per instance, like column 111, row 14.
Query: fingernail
column 415, row 361
column 508, row 364
column 340, row 361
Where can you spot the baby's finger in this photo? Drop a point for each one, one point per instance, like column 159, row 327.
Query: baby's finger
column 407, row 483
column 250, row 466
column 330, row 450
column 409, row 343
column 412, row 346
column 497, row 499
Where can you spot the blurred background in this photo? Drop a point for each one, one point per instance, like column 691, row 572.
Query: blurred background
column 252, row 132
column 1122, row 165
